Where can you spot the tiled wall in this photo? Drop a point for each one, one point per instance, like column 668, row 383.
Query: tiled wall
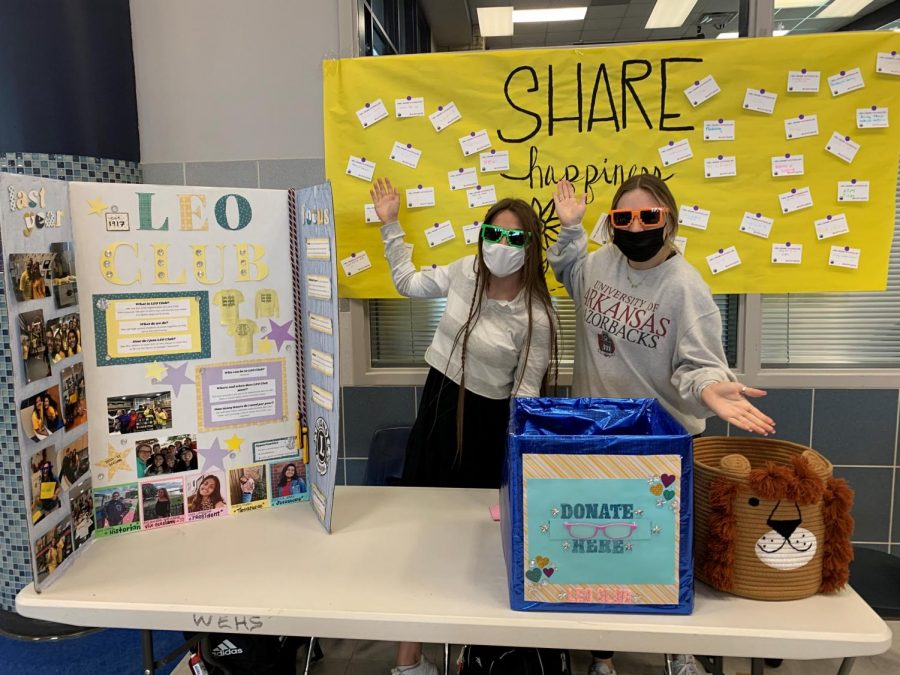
column 15, row 564
column 854, row 428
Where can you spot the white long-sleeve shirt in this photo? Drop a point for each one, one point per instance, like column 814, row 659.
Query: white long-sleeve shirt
column 495, row 358
column 653, row 333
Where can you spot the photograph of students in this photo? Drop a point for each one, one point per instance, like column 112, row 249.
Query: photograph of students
column 247, row 484
column 139, row 412
column 73, row 462
column 287, row 479
column 40, row 414
column 162, row 499
column 53, row 548
column 116, row 506
column 62, row 268
column 82, row 507
column 206, row 494
column 28, row 272
column 20, row 266
column 45, row 487
column 63, row 337
column 34, row 345
column 74, row 394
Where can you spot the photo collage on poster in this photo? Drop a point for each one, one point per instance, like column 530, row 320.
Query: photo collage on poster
column 192, row 353
column 160, row 385
column 50, row 392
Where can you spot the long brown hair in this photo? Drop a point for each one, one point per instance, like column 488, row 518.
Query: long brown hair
column 536, row 292
column 196, row 503
column 661, row 193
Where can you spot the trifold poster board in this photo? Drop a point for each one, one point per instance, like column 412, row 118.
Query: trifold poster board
column 159, row 355
column 781, row 152
column 596, row 507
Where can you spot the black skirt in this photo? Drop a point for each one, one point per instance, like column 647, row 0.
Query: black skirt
column 431, row 454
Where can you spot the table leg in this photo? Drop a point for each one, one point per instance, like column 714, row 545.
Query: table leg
column 309, row 653
column 846, row 665
column 147, row 652
column 757, row 666
column 447, row 659
column 668, row 667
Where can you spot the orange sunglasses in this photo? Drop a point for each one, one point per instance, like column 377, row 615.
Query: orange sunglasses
column 650, row 218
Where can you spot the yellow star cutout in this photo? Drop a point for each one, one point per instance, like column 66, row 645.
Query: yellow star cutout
column 97, row 205
column 115, row 461
column 265, row 346
column 156, row 371
column 234, row 443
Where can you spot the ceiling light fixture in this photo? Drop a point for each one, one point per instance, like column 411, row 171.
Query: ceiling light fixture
column 542, row 15
column 670, row 13
column 793, row 4
column 495, row 21
column 775, row 33
column 842, row 8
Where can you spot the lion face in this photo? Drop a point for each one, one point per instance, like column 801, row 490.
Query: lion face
column 767, row 528
column 786, row 545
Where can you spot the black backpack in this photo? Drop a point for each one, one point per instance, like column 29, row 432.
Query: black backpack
column 484, row 660
column 241, row 654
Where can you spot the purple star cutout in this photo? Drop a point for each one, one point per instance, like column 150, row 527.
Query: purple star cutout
column 279, row 333
column 213, row 456
column 175, row 376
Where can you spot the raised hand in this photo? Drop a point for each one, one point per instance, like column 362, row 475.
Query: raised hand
column 728, row 401
column 569, row 207
column 386, row 199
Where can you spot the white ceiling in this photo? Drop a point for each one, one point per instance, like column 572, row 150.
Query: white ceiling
column 606, row 21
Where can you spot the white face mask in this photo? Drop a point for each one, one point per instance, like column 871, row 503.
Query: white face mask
column 502, row 260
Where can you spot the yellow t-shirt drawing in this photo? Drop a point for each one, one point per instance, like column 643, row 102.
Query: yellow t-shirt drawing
column 266, row 303
column 229, row 301
column 243, row 332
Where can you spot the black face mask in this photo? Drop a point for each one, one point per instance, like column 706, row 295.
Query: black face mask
column 640, row 246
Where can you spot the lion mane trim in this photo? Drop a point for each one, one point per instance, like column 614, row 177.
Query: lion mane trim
column 838, row 553
column 718, row 563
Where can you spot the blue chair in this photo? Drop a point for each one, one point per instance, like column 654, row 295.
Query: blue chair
column 387, row 451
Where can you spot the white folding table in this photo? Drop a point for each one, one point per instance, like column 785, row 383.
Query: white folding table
column 417, row 564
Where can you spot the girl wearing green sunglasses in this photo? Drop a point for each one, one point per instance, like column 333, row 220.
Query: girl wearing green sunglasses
column 495, row 339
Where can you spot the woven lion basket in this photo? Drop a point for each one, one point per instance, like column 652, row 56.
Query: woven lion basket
column 771, row 520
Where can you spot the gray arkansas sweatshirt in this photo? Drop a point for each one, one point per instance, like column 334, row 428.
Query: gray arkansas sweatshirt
column 653, row 333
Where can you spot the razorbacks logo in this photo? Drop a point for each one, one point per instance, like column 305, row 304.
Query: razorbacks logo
column 605, row 344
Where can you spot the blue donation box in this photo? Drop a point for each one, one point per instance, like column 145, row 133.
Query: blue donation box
column 596, row 507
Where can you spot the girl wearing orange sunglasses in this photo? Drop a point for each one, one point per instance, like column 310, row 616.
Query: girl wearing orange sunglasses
column 647, row 324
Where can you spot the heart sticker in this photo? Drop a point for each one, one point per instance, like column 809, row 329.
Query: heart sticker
column 542, row 561
column 656, row 489
column 534, row 574
column 549, row 571
column 667, row 479
column 668, row 494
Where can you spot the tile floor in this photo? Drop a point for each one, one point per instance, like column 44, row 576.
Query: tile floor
column 361, row 657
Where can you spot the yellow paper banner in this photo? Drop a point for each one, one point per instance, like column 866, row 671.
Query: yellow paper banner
column 599, row 115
